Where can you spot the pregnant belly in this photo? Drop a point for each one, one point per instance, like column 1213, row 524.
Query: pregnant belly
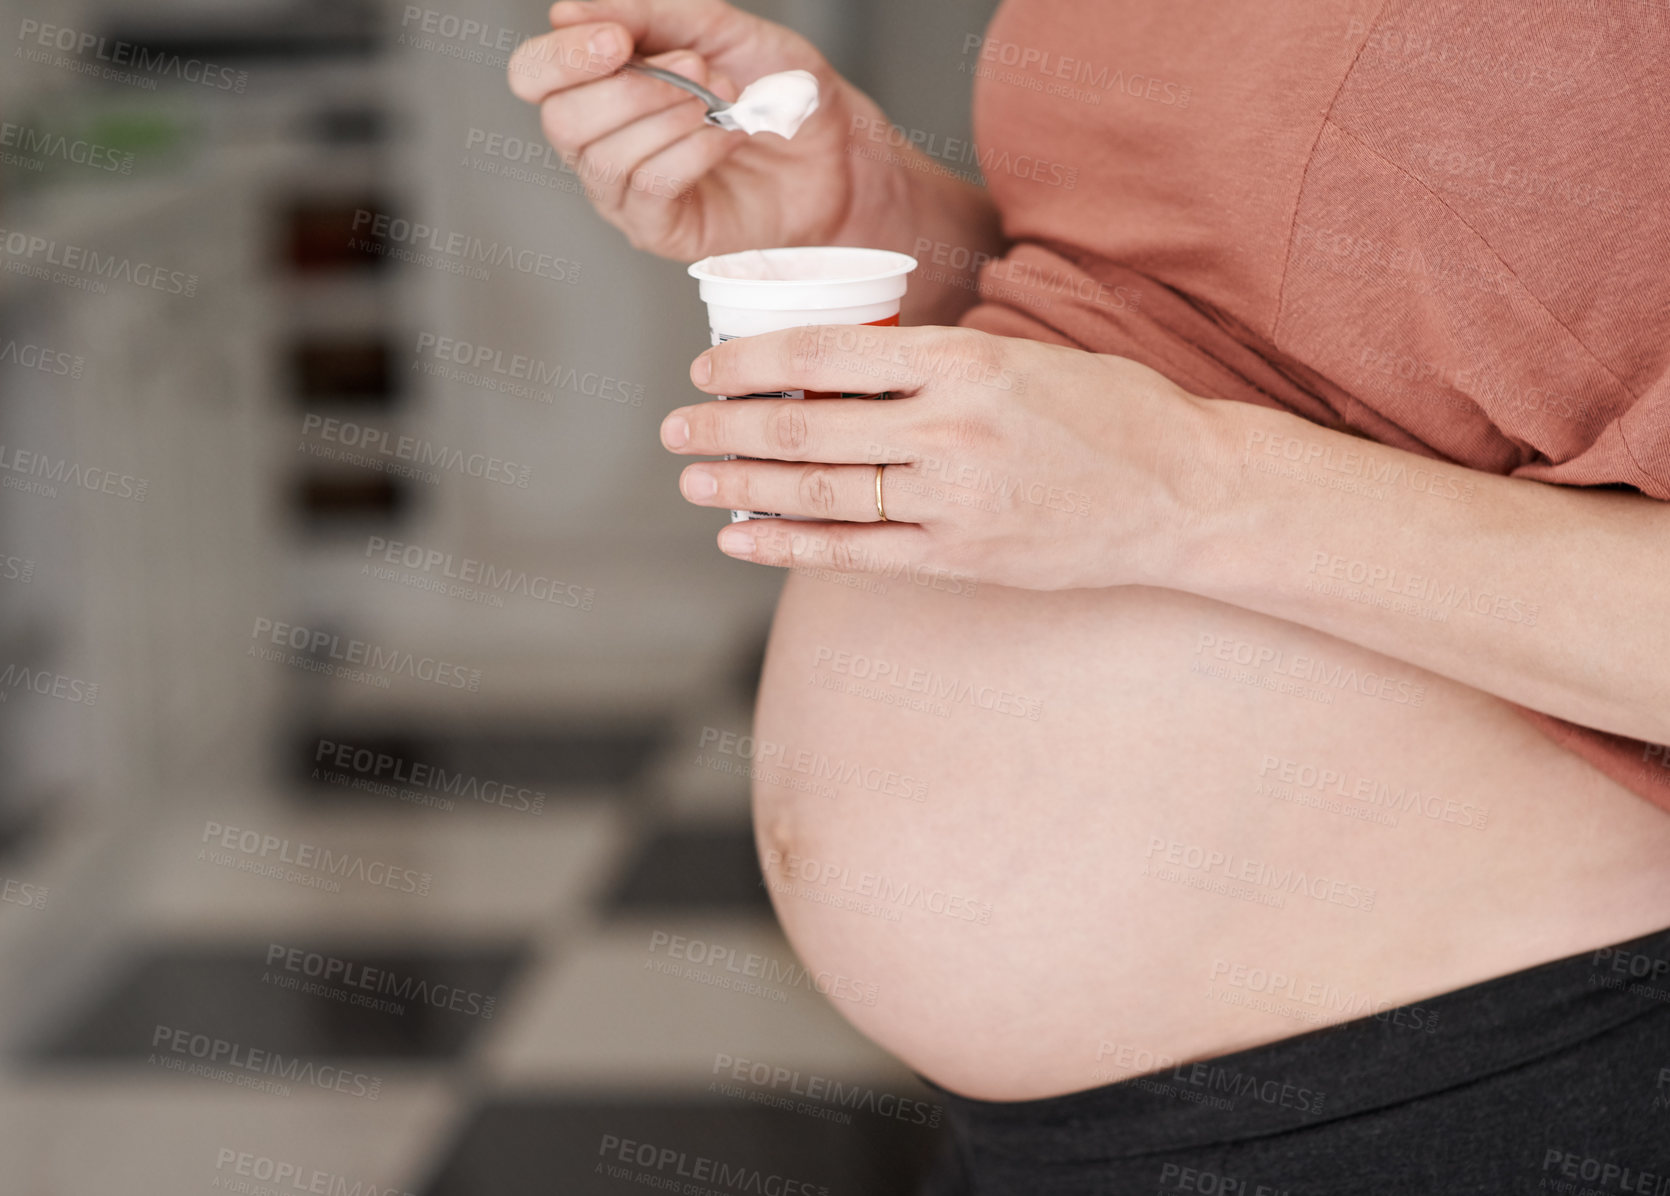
column 1036, row 842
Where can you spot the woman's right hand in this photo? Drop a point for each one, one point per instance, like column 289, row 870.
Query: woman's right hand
column 675, row 185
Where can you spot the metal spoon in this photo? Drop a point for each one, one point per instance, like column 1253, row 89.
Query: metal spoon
column 718, row 110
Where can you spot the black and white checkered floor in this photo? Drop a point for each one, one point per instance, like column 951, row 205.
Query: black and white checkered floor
column 591, row 997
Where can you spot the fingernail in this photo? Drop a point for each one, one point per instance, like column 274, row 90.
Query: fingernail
column 736, row 541
column 605, row 43
column 675, row 432
column 699, row 483
column 701, row 370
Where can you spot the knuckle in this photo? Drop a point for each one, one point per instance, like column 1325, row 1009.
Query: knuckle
column 527, row 67
column 514, row 70
column 553, row 122
column 684, row 62
column 722, row 358
column 807, row 349
column 743, row 489
column 706, row 427
column 817, row 489
column 802, row 549
column 603, row 182
column 781, row 546
column 774, row 545
column 802, row 347
column 969, row 354
column 968, row 432
column 788, row 431
column 590, row 167
column 843, row 557
column 977, row 346
column 768, row 541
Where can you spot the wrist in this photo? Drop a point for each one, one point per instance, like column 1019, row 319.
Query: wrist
column 904, row 201
column 1213, row 519
column 877, row 196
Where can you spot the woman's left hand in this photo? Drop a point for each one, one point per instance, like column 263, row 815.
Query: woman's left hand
column 1017, row 462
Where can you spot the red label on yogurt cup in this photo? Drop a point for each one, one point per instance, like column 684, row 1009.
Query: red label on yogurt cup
column 722, row 337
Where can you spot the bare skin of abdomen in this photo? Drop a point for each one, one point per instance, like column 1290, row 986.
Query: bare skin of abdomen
column 1037, row 842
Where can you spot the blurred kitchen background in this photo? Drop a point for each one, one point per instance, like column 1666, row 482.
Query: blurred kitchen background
column 464, row 919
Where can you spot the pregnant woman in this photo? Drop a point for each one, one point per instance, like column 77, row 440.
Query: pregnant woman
column 1237, row 663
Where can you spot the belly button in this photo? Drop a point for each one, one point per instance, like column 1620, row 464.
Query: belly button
column 774, row 825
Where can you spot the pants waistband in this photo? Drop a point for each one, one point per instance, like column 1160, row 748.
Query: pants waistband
column 1340, row 1071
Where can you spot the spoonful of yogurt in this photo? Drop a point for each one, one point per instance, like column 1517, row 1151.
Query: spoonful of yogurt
column 778, row 103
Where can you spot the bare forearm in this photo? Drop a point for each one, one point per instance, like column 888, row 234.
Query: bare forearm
column 950, row 225
column 1552, row 597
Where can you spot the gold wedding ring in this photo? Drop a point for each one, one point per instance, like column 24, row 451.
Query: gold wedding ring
column 881, row 511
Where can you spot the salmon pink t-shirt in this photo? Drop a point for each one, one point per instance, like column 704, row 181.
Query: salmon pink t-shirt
column 1442, row 225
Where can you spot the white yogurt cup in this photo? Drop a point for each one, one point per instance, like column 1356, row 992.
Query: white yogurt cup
column 764, row 290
